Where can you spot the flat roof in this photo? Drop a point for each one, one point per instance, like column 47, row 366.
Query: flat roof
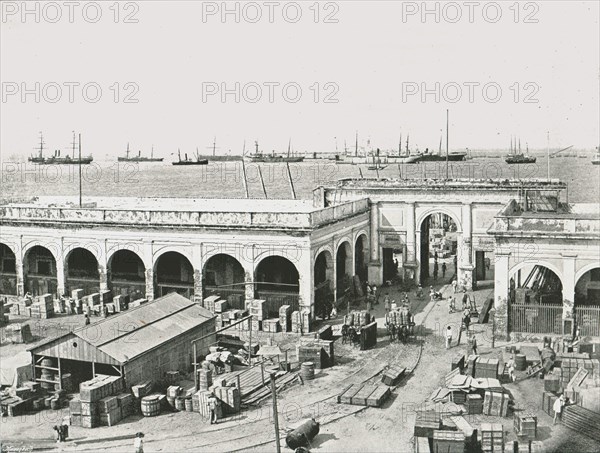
column 170, row 204
column 462, row 183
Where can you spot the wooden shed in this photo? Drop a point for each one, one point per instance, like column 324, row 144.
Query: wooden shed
column 141, row 344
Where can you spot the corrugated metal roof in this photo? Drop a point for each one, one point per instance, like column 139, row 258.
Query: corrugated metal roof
column 133, row 332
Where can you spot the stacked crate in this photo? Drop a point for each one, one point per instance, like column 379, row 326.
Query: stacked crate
column 474, row 404
column 285, row 317
column 230, row 399
column 105, row 296
column 209, row 302
column 204, row 379
column 127, row 404
column 110, row 411
column 75, row 411
column 486, row 368
column 525, row 426
column 312, row 352
column 258, row 311
column 495, row 403
column 552, row 383
column 221, row 306
column 200, row 402
column 93, row 397
column 492, row 437
column 236, row 301
column 448, row 442
column 548, row 399
column 427, row 422
column 297, row 322
column 271, row 325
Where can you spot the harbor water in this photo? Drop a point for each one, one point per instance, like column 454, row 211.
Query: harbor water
column 225, row 179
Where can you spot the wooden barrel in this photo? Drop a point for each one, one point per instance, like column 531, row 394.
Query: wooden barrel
column 48, row 362
column 520, row 362
column 150, row 406
column 302, row 435
column 179, row 404
column 188, row 405
column 307, row 370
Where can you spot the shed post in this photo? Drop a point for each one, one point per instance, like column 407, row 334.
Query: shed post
column 93, row 370
column 195, row 358
column 59, row 375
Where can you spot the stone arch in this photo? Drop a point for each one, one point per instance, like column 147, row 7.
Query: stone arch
column 81, row 269
column 53, row 247
column 40, row 271
column 134, row 247
column 224, row 274
column 173, row 272
column 276, row 273
column 514, row 295
column 93, row 247
column 344, row 266
column 359, row 233
column 422, row 242
column 126, row 273
column 587, row 286
column 8, row 270
column 323, row 278
column 361, row 255
column 291, row 254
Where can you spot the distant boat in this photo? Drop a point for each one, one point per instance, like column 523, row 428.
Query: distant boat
column 57, row 159
column 139, row 157
column 453, row 156
column 515, row 157
column 186, row 161
column 219, row 158
column 259, row 156
column 596, row 158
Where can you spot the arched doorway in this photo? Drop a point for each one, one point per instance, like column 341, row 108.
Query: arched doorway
column 323, row 280
column 361, row 257
column 536, row 300
column 127, row 275
column 8, row 271
column 39, row 271
column 439, row 249
column 81, row 271
column 343, row 265
column 225, row 276
column 278, row 281
column 587, row 303
column 173, row 273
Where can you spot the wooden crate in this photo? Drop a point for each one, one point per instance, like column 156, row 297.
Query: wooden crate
column 393, row 376
column 448, row 442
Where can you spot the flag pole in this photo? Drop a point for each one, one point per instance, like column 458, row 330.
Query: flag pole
column 447, row 135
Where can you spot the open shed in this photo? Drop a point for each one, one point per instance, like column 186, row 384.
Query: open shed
column 140, row 344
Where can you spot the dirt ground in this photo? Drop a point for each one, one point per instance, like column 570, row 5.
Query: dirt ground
column 344, row 428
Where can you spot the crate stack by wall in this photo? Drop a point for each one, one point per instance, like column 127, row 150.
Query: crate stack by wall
column 492, row 438
column 96, row 405
column 3, row 315
column 42, row 308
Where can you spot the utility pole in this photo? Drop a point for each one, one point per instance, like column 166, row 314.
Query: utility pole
column 80, row 203
column 275, row 414
column 447, row 135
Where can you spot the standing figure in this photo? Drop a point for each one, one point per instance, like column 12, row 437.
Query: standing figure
column 466, row 319
column 448, row 337
column 87, row 320
column 435, row 270
column 454, row 285
column 451, row 304
column 212, row 404
column 465, row 301
column 510, row 365
column 444, row 268
column 558, row 407
column 472, row 341
column 375, row 295
column 138, row 443
column 387, row 303
column 58, row 433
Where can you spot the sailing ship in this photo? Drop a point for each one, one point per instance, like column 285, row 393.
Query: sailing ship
column 376, row 164
column 139, row 157
column 515, row 157
column 259, row 156
column 57, row 158
column 187, row 161
column 403, row 158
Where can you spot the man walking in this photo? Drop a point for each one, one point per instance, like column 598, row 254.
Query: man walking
column 558, row 407
column 386, row 303
column 454, row 285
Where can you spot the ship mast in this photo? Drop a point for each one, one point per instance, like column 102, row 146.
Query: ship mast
column 356, row 146
column 152, row 152
column 127, row 152
column 74, row 145
column 41, row 144
column 407, row 151
column 289, row 146
column 400, row 146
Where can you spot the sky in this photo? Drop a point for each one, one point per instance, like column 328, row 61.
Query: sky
column 177, row 75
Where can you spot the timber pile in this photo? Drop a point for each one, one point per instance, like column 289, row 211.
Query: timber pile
column 282, row 380
column 252, row 385
column 582, row 420
column 364, row 395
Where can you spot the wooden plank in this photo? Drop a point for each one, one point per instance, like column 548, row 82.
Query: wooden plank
column 360, row 399
column 377, row 398
column 346, row 397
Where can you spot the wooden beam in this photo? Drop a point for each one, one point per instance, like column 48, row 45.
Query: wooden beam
column 59, row 375
column 46, row 367
column 93, row 370
column 117, row 370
